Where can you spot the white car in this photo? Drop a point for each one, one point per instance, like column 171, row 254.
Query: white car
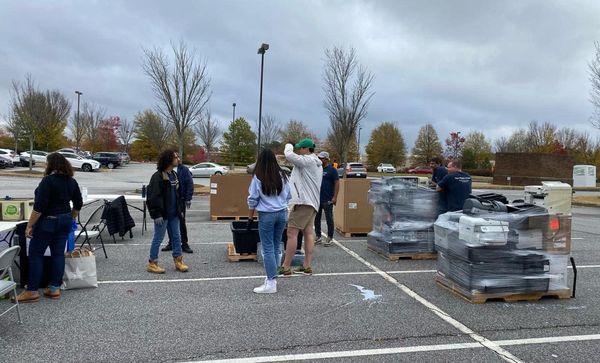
column 386, row 168
column 77, row 162
column 38, row 156
column 13, row 156
column 208, row 169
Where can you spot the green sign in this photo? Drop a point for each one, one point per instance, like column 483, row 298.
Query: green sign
column 11, row 210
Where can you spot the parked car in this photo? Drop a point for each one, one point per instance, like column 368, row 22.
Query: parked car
column 125, row 159
column 38, row 156
column 14, row 157
column 8, row 161
column 352, row 170
column 420, row 170
column 386, row 168
column 2, row 163
column 287, row 170
column 108, row 159
column 208, row 169
column 77, row 162
column 24, row 161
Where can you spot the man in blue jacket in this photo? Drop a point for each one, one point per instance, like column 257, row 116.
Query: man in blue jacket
column 186, row 192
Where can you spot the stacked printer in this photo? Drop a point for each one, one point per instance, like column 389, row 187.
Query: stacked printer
column 497, row 248
column 403, row 216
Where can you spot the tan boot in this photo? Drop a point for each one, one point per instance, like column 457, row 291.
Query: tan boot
column 28, row 297
column 154, row 268
column 179, row 265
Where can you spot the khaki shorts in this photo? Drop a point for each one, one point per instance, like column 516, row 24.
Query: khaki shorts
column 302, row 216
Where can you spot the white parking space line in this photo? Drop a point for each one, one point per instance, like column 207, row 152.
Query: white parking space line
column 401, row 350
column 107, row 244
column 502, row 353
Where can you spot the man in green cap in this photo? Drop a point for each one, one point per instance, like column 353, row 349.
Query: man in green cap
column 305, row 184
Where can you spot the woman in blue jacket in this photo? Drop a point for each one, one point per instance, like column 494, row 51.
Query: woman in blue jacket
column 269, row 194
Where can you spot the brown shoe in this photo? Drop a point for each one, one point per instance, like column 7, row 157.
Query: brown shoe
column 179, row 265
column 28, row 297
column 154, row 268
column 52, row 293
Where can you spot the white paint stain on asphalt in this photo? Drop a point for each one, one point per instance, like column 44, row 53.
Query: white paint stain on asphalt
column 368, row 295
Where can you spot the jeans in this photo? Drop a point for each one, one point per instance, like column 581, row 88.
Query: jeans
column 171, row 224
column 48, row 232
column 270, row 229
column 328, row 208
column 182, row 230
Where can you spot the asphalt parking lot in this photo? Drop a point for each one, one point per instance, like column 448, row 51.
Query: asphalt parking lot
column 210, row 313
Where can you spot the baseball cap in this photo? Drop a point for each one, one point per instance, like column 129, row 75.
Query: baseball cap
column 323, row 155
column 308, row 143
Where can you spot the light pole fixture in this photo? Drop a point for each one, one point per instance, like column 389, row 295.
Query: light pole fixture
column 263, row 48
column 79, row 93
column 233, row 105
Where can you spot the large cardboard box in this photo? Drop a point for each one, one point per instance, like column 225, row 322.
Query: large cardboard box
column 229, row 195
column 353, row 213
column 16, row 209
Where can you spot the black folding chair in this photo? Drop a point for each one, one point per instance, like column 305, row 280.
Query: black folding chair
column 93, row 228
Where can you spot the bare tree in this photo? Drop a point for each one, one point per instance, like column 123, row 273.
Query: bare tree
column 347, row 95
column 125, row 133
column 209, row 132
column 183, row 91
column 92, row 117
column 271, row 130
column 594, row 75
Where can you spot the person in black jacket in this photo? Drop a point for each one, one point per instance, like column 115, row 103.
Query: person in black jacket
column 165, row 207
column 186, row 192
column 50, row 224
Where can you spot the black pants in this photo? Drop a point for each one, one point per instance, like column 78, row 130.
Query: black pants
column 328, row 208
column 182, row 230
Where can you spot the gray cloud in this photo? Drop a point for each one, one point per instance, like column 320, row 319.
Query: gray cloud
column 462, row 65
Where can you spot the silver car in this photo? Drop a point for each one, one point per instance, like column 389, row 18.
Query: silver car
column 208, row 169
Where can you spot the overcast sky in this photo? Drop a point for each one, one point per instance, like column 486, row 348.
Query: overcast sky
column 491, row 66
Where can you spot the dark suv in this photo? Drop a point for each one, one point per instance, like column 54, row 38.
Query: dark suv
column 110, row 160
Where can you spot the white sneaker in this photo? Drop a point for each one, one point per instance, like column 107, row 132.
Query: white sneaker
column 318, row 241
column 328, row 242
column 269, row 287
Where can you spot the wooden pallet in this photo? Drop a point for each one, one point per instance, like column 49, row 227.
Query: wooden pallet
column 228, row 218
column 233, row 256
column 480, row 298
column 405, row 256
column 351, row 234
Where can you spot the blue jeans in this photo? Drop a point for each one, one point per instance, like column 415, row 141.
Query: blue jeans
column 270, row 229
column 48, row 232
column 172, row 224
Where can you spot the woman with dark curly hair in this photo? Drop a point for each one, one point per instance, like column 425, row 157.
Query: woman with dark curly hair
column 49, row 225
column 165, row 207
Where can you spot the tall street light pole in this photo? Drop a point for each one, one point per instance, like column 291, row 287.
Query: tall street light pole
column 78, row 119
column 263, row 48
column 233, row 105
column 359, row 129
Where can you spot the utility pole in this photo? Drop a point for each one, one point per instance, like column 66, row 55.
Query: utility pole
column 263, row 48
column 233, row 119
column 78, row 119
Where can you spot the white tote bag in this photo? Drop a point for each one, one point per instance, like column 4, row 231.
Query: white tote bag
column 80, row 270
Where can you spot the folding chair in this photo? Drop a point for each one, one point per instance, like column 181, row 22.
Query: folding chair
column 93, row 227
column 7, row 258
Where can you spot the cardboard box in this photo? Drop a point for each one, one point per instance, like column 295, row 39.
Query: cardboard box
column 353, row 213
column 229, row 195
column 16, row 209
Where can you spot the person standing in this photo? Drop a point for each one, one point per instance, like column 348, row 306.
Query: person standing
column 269, row 194
column 186, row 192
column 305, row 185
column 439, row 170
column 455, row 187
column 50, row 224
column 165, row 207
column 330, row 186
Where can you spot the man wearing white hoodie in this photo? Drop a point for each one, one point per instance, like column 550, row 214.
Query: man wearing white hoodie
column 305, row 185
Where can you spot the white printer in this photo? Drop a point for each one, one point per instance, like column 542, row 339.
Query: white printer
column 555, row 196
column 482, row 231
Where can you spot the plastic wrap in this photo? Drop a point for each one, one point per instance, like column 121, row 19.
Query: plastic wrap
column 403, row 216
column 524, row 250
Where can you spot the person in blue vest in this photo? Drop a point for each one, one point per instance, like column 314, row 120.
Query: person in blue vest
column 186, row 193
column 455, row 187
